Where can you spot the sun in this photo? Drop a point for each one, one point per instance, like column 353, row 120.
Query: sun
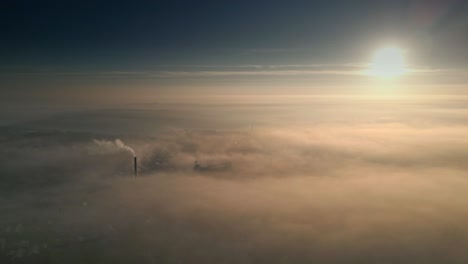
column 388, row 62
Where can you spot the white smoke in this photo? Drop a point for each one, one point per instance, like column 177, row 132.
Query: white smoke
column 116, row 145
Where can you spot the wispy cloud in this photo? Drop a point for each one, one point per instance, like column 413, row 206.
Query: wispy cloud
column 247, row 70
column 181, row 71
column 254, row 73
column 200, row 71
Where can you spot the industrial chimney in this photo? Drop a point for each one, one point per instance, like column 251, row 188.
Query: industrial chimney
column 135, row 165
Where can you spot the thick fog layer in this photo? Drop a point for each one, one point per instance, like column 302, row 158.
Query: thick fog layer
column 322, row 181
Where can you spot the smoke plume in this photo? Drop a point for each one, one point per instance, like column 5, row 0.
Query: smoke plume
column 117, row 145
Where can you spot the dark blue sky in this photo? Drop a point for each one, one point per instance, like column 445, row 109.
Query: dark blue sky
column 113, row 33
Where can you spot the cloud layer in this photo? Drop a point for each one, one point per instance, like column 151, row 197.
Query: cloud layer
column 329, row 182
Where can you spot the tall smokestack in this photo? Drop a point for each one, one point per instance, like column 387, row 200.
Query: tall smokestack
column 135, row 165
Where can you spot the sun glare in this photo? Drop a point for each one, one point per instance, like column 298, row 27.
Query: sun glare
column 388, row 63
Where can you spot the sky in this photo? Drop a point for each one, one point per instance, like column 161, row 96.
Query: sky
column 139, row 51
